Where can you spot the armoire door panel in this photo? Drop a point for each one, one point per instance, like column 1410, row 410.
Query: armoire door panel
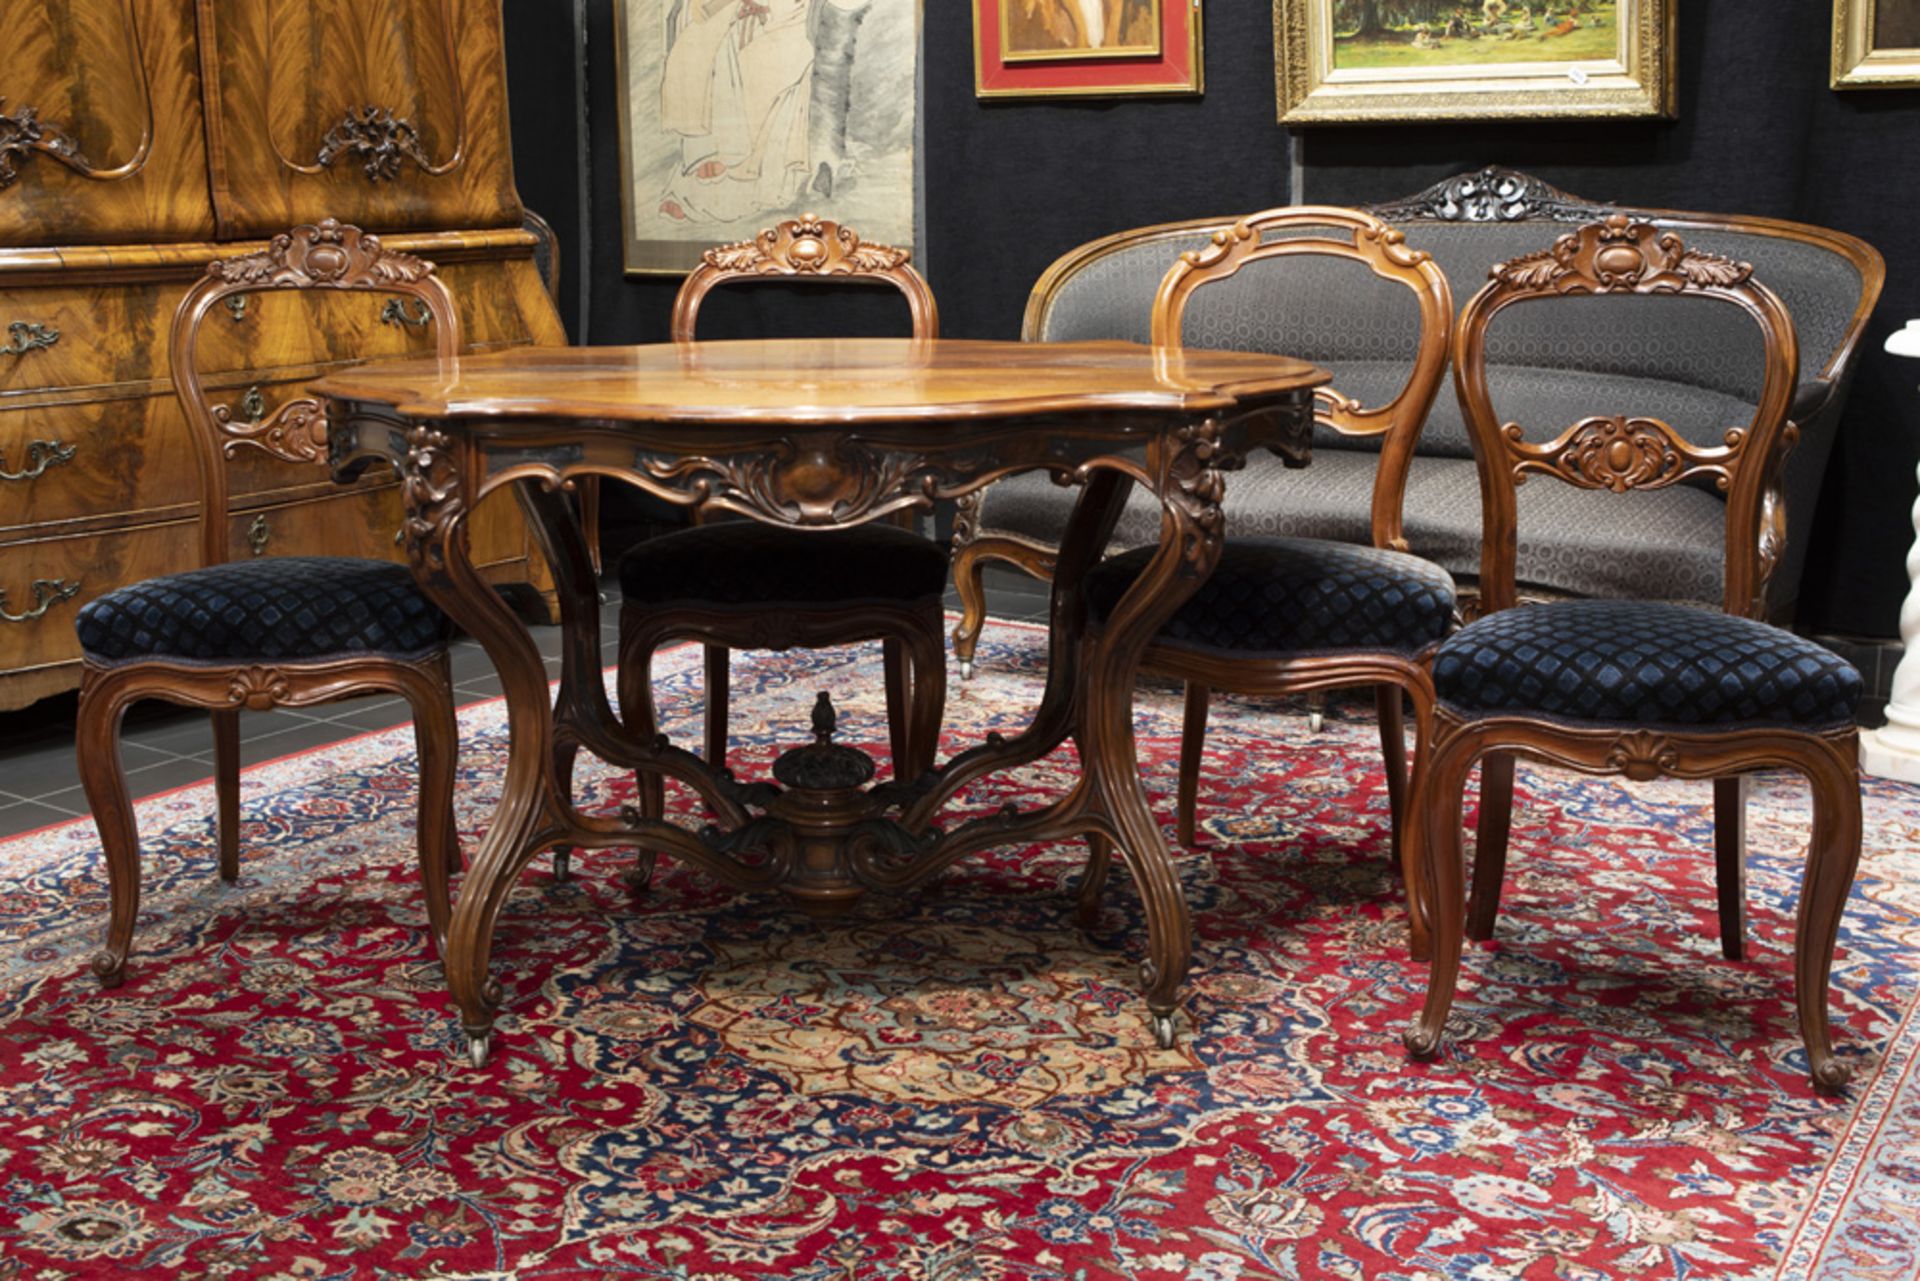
column 101, row 133
column 387, row 113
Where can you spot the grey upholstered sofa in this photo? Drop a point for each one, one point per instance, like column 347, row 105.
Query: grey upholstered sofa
column 1686, row 363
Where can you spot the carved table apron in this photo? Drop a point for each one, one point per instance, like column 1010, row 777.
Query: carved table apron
column 818, row 434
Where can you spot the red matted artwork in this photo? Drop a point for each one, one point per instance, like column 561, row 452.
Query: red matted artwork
column 1132, row 62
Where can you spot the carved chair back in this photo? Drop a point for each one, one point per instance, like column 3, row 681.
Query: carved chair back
column 1623, row 257
column 329, row 255
column 806, row 248
column 1324, row 232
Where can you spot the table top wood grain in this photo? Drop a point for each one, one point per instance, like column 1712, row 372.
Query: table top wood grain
column 824, row 381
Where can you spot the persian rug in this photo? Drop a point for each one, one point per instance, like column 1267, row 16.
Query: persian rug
column 956, row 1086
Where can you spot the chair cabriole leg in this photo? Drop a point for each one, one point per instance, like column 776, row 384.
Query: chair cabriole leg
column 1490, row 843
column 1438, row 793
column 1833, row 856
column 103, row 703
column 1730, row 862
column 226, row 790
column 1389, row 708
column 437, row 737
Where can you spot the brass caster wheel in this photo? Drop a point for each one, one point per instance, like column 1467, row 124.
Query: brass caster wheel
column 477, row 1048
column 966, row 669
column 562, row 864
column 1163, row 1034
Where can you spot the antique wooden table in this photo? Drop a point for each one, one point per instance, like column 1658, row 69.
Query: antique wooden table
column 818, row 433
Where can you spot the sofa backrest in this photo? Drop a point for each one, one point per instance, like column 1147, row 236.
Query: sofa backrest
column 1335, row 313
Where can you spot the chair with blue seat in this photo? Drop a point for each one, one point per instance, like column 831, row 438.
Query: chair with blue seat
column 743, row 584
column 1287, row 615
column 1633, row 687
column 273, row 631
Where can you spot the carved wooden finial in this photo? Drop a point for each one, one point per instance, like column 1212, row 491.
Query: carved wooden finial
column 1620, row 254
column 330, row 254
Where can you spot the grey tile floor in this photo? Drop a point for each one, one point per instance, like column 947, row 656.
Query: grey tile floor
column 168, row 747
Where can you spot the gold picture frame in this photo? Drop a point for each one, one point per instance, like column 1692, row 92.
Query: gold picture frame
column 1474, row 60
column 1861, row 60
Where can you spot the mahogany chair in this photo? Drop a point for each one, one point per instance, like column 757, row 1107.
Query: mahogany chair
column 742, row 584
column 288, row 631
column 1283, row 615
column 1629, row 687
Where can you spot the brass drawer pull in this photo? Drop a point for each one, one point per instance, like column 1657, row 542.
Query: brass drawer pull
column 46, row 594
column 258, row 535
column 237, row 306
column 27, row 336
column 41, row 454
column 396, row 313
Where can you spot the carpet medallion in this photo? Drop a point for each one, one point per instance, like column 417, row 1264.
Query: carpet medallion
column 956, row 1085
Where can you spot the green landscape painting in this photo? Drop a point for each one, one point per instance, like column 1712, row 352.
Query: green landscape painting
column 1448, row 33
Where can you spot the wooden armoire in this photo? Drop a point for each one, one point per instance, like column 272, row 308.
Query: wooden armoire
column 139, row 139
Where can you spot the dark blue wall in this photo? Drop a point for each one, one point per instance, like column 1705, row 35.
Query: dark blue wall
column 1009, row 187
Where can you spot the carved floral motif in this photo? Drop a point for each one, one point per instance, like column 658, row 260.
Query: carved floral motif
column 1620, row 255
column 827, row 478
column 807, row 245
column 22, row 133
column 1620, row 453
column 1196, row 486
column 296, row 432
column 1494, row 194
column 430, row 485
column 327, row 253
column 380, row 139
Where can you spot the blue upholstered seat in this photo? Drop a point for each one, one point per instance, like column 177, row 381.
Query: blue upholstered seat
column 273, row 609
column 1638, row 662
column 1277, row 596
column 747, row 563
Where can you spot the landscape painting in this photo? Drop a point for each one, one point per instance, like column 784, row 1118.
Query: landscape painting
column 737, row 115
column 1401, row 61
column 1043, row 30
column 1448, row 33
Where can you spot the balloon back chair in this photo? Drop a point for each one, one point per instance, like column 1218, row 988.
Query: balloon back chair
column 1638, row 688
column 267, row 632
column 743, row 584
column 1286, row 615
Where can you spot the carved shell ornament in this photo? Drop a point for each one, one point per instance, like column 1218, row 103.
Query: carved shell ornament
column 1643, row 755
column 809, row 246
column 1620, row 255
column 329, row 253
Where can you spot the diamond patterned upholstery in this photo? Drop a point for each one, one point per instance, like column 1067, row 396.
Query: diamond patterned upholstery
column 1270, row 597
column 275, row 609
column 1638, row 662
column 760, row 566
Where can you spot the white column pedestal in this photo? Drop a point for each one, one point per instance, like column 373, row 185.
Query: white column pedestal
column 1894, row 750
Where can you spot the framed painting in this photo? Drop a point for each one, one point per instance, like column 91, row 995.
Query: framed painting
column 1876, row 44
column 1352, row 61
column 735, row 114
column 1085, row 48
